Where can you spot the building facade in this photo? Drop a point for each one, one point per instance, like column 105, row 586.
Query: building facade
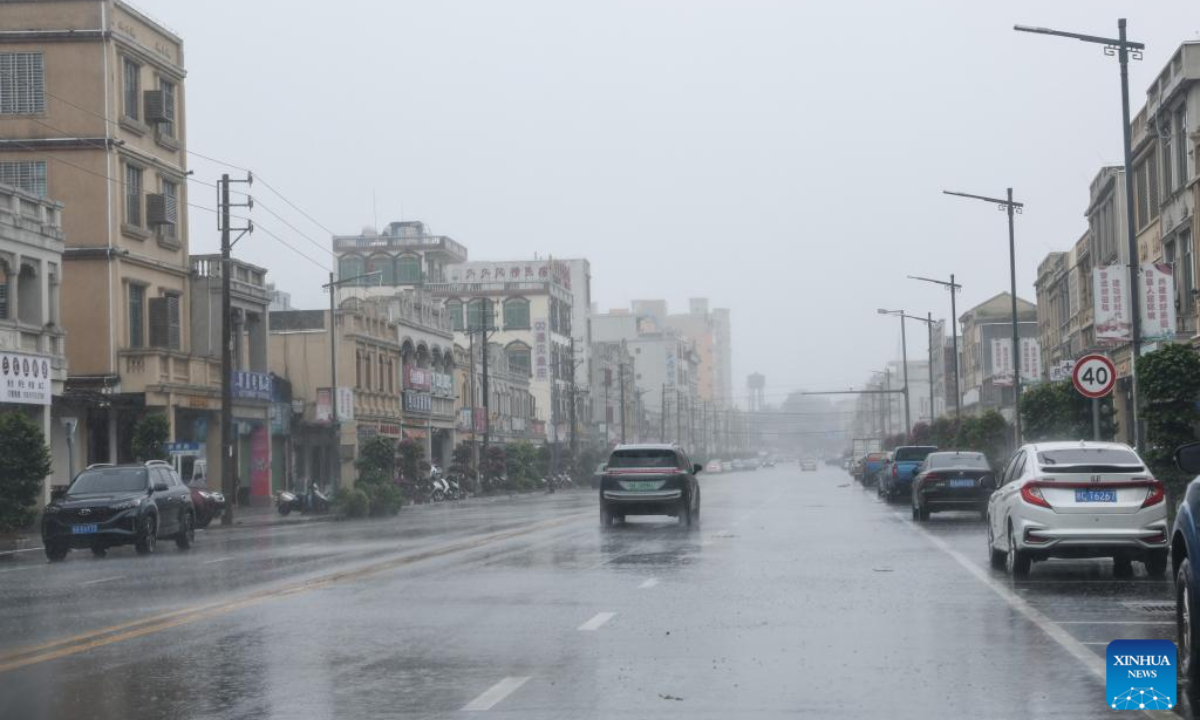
column 94, row 115
column 987, row 353
column 32, row 362
column 405, row 254
column 614, row 393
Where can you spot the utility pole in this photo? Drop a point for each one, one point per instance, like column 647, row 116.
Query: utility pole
column 228, row 486
column 621, row 372
column 678, row 417
column 954, row 288
column 574, row 400
column 662, row 432
column 474, row 434
column 704, row 446
column 692, row 426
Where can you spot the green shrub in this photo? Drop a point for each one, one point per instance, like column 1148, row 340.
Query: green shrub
column 351, row 503
column 385, row 499
column 24, row 463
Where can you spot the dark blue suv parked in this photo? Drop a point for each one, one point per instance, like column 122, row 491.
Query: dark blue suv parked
column 1185, row 547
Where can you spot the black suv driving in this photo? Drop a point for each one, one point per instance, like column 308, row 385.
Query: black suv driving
column 649, row 480
column 111, row 505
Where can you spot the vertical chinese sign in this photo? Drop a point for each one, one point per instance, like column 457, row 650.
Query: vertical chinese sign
column 1112, row 314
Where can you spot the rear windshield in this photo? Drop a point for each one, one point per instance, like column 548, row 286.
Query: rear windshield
column 109, row 480
column 957, row 460
column 1087, row 459
column 642, row 459
column 913, row 453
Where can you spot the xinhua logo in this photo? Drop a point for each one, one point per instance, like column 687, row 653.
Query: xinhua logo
column 1141, row 675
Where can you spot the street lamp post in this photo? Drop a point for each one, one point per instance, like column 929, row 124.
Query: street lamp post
column 1011, row 207
column 1123, row 48
column 904, row 358
column 928, row 320
column 954, row 288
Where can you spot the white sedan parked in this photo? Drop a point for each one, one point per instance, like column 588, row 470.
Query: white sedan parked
column 1077, row 499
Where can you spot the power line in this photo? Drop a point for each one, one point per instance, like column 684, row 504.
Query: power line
column 298, row 231
column 293, row 205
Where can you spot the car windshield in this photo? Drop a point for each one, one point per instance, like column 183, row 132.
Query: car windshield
column 1089, row 456
column 906, row 454
column 109, row 480
column 957, row 460
column 650, row 458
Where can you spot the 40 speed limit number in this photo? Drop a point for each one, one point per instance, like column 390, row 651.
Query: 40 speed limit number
column 1094, row 376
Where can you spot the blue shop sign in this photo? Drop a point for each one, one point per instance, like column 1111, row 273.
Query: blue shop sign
column 251, row 385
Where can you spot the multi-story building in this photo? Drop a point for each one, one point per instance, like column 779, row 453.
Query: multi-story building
column 615, row 406
column 253, row 387
column 511, row 409
column 528, row 308
column 405, row 254
column 986, row 365
column 92, row 114
column 368, row 389
column 280, row 300
column 32, row 364
column 1054, row 308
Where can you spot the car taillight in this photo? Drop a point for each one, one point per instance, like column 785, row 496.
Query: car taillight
column 930, row 478
column 1155, row 494
column 895, row 471
column 1032, row 494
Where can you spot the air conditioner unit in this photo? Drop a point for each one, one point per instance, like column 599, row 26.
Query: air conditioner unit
column 161, row 210
column 157, row 107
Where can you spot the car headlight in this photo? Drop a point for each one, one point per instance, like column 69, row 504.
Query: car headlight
column 129, row 504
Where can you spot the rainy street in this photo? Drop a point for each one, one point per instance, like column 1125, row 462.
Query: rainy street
column 799, row 593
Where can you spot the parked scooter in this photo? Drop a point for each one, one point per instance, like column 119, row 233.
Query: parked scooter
column 315, row 501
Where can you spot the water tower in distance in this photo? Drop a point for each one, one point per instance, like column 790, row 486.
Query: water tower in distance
column 756, row 383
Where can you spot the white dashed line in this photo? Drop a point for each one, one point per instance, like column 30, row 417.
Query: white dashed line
column 648, row 584
column 217, row 560
column 1113, row 622
column 103, row 580
column 596, row 622
column 495, row 694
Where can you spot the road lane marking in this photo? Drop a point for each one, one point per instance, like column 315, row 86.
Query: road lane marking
column 16, row 569
column 103, row 580
column 1113, row 622
column 14, row 552
column 495, row 694
column 217, row 560
column 1090, row 660
column 32, row 655
column 596, row 622
column 648, row 584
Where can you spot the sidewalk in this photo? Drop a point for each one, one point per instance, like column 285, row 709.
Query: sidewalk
column 268, row 515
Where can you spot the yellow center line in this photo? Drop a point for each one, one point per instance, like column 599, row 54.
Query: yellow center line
column 32, row 655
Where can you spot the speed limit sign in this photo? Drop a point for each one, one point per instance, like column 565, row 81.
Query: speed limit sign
column 1094, row 376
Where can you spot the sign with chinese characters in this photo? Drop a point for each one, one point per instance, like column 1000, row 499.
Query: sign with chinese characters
column 541, row 349
column 1002, row 366
column 417, row 378
column 536, row 271
column 463, row 423
column 1112, row 316
column 443, row 384
column 324, row 405
column 251, row 385
column 1031, row 360
column 415, row 401
column 25, row 379
column 345, row 408
column 281, row 418
column 1158, row 301
column 1061, row 371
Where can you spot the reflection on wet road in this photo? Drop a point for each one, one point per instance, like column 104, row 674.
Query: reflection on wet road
column 799, row 594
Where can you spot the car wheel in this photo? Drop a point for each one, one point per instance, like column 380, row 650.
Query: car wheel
column 1017, row 560
column 1122, row 566
column 187, row 535
column 997, row 558
column 923, row 513
column 686, row 516
column 147, row 538
column 916, row 512
column 1185, row 624
column 1156, row 563
column 99, row 551
column 56, row 552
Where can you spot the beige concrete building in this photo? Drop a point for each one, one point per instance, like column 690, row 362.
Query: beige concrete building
column 93, row 114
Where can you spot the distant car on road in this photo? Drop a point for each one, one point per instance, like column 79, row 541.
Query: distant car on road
column 873, row 462
column 952, row 481
column 1185, row 545
column 111, row 505
column 1078, row 499
column 896, row 476
column 808, row 466
column 713, row 466
column 649, row 480
column 727, row 466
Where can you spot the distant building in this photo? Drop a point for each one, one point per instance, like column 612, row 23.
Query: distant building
column 405, row 254
column 987, row 353
column 617, row 411
column 280, row 300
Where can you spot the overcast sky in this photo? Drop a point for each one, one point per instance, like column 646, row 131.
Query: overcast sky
column 784, row 159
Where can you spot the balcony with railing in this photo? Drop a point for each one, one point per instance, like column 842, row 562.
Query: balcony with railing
column 453, row 251
column 247, row 281
column 145, row 369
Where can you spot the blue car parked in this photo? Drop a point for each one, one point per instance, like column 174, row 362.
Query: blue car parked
column 895, row 480
column 1185, row 545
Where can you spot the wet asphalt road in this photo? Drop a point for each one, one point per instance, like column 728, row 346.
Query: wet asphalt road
column 799, row 595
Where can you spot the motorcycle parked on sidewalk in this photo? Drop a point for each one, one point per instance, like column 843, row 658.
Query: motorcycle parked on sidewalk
column 315, row 501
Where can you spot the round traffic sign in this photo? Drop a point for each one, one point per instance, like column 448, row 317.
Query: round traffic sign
column 1094, row 376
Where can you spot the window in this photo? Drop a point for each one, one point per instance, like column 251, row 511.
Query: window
column 132, row 89
column 21, row 84
column 28, row 175
column 170, row 192
column 165, row 328
column 168, row 90
column 174, row 326
column 479, row 313
column 1165, row 140
column 1181, row 173
column 516, row 314
column 381, row 264
column 455, row 309
column 648, row 458
column 5, row 282
column 349, row 266
column 519, row 362
column 133, row 195
column 1185, row 271
column 137, row 314
column 358, row 368
column 408, row 269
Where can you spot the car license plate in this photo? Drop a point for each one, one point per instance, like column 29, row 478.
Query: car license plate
column 641, row 485
column 1090, row 496
column 962, row 482
column 84, row 529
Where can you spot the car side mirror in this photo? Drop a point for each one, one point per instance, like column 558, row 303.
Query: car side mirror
column 58, row 492
column 696, row 468
column 1187, row 457
column 161, row 487
column 988, row 482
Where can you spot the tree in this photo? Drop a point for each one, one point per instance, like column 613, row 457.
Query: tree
column 989, row 434
column 411, row 454
column 376, row 460
column 494, row 464
column 150, row 434
column 1169, row 384
column 24, row 464
column 922, row 434
column 943, row 433
column 1056, row 411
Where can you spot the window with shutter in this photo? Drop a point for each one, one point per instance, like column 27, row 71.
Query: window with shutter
column 156, row 313
column 137, row 300
column 22, row 89
column 174, row 327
